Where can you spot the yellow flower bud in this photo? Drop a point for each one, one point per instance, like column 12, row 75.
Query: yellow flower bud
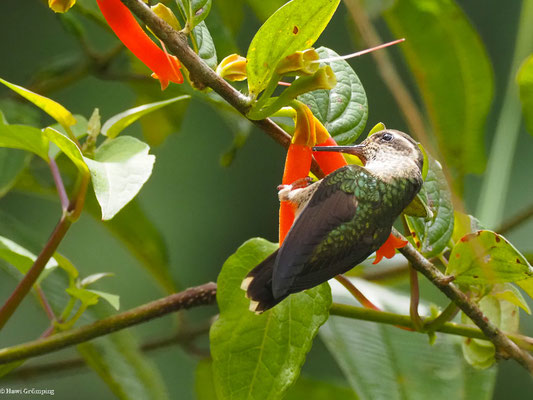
column 61, row 6
column 232, row 68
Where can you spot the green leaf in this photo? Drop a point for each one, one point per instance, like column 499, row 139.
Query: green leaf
column 68, row 147
column 116, row 124
column 133, row 228
column 87, row 297
column 119, row 170
column 380, row 126
column 433, row 234
column 453, row 72
column 206, row 47
column 89, row 280
column 524, row 79
column 485, row 257
column 511, row 294
column 112, row 299
column 260, row 356
column 527, row 286
column 21, row 258
column 12, row 162
column 379, row 360
column 200, row 10
column 293, row 27
column 24, row 138
column 418, row 208
column 52, row 108
column 464, row 224
column 343, row 110
column 504, row 314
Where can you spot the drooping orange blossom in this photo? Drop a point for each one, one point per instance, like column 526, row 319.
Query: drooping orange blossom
column 165, row 67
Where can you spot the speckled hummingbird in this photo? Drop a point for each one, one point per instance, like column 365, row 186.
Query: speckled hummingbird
column 341, row 219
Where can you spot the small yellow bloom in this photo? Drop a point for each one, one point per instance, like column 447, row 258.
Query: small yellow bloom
column 61, row 6
column 232, row 68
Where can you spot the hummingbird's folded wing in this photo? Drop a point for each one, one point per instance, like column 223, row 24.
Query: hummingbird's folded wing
column 294, row 270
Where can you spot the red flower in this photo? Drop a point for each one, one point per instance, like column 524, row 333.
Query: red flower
column 165, row 67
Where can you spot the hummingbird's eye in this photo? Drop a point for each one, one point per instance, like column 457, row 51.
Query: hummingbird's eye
column 387, row 137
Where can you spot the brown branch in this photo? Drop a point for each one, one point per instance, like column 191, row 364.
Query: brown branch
column 183, row 337
column 196, row 296
column 504, row 346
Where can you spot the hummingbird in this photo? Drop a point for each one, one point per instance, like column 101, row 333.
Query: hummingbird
column 340, row 219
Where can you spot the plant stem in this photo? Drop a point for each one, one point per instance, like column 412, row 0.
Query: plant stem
column 515, row 221
column 495, row 186
column 415, row 299
column 366, row 314
column 63, row 197
column 445, row 316
column 196, row 296
column 67, row 218
column 31, row 276
column 360, row 297
column 504, row 346
column 183, row 337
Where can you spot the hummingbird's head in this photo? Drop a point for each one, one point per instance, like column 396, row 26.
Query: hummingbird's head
column 388, row 153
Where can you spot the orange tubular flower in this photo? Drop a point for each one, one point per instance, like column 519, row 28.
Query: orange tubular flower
column 165, row 67
column 297, row 164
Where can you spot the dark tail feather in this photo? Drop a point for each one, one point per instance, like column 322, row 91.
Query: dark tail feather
column 258, row 285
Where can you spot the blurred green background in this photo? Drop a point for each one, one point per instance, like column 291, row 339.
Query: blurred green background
column 205, row 211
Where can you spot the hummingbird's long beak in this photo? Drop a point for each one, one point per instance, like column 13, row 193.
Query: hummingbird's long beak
column 357, row 150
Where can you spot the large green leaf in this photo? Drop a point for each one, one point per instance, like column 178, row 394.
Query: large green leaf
column 433, row 235
column 119, row 170
column 485, row 257
column 116, row 124
column 52, row 108
column 23, row 137
column 12, row 162
column 260, row 356
column 293, row 27
column 525, row 83
column 453, row 72
column 384, row 362
column 344, row 109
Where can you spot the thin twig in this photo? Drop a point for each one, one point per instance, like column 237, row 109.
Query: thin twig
column 515, row 221
column 63, row 197
column 196, row 296
column 356, row 293
column 366, row 314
